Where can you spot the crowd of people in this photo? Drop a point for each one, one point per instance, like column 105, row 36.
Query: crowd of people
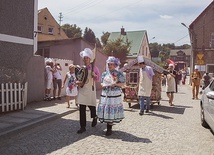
column 179, row 77
column 110, row 107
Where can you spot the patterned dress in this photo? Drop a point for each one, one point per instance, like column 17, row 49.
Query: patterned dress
column 71, row 89
column 110, row 107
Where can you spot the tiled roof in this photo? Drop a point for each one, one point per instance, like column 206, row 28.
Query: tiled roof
column 186, row 51
column 135, row 37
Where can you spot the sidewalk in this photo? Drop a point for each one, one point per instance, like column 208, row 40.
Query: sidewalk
column 34, row 114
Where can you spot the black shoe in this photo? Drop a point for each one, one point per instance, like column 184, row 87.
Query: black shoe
column 59, row 98
column 141, row 113
column 81, row 130
column 109, row 132
column 54, row 98
column 147, row 111
column 94, row 122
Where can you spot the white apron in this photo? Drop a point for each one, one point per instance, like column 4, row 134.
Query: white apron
column 170, row 84
column 145, row 84
column 85, row 94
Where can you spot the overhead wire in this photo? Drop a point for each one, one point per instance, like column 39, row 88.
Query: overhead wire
column 181, row 38
column 131, row 4
column 84, row 7
column 197, row 29
column 76, row 6
column 117, row 9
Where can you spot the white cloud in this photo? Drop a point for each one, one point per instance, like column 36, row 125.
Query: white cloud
column 166, row 17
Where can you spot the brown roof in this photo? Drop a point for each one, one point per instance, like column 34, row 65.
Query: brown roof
column 186, row 51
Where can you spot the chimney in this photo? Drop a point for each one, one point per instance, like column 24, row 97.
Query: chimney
column 122, row 32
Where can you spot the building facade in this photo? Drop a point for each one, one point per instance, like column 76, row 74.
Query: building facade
column 69, row 49
column 138, row 39
column 18, row 42
column 202, row 40
column 181, row 57
column 48, row 28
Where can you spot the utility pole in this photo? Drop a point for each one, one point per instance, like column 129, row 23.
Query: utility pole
column 60, row 20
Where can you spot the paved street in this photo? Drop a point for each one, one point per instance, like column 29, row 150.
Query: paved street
column 166, row 131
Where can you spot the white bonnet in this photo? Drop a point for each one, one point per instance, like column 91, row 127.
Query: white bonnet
column 49, row 60
column 171, row 65
column 87, row 52
column 140, row 59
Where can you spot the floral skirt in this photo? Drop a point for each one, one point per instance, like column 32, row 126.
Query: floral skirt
column 110, row 107
column 71, row 92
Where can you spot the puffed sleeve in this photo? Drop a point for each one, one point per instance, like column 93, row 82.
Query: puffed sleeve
column 121, row 77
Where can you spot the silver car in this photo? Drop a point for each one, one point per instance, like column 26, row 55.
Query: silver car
column 207, row 106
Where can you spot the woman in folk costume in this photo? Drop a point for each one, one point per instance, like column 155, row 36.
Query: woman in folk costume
column 86, row 95
column 110, row 107
column 170, row 83
column 145, row 84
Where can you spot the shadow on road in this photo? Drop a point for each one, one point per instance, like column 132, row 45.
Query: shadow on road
column 160, row 115
column 124, row 136
column 55, row 135
column 170, row 109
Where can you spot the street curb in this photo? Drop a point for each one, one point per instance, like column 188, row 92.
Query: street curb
column 32, row 123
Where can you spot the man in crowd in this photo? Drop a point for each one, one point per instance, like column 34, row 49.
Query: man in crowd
column 145, row 84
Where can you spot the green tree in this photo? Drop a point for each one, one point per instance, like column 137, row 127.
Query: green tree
column 72, row 31
column 89, row 35
column 98, row 43
column 118, row 48
column 185, row 46
column 104, row 38
column 169, row 45
column 155, row 48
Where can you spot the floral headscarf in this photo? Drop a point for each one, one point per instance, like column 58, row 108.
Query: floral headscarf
column 108, row 79
column 112, row 59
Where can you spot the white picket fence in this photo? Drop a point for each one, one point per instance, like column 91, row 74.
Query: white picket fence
column 13, row 96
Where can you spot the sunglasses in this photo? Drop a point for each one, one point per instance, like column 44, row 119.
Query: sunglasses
column 141, row 63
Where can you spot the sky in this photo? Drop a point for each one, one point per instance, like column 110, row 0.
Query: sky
column 160, row 18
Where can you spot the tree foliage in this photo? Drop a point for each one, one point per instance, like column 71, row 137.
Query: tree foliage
column 72, row 31
column 104, row 38
column 163, row 51
column 89, row 35
column 185, row 46
column 118, row 48
column 98, row 43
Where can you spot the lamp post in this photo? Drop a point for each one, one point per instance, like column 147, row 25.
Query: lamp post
column 152, row 38
column 192, row 62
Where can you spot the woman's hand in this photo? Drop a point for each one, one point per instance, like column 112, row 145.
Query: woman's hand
column 93, row 75
column 79, row 83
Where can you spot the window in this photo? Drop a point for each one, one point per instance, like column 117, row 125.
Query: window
column 39, row 29
column 212, row 86
column 133, row 77
column 50, row 30
column 210, row 68
column 146, row 51
column 212, row 40
column 45, row 52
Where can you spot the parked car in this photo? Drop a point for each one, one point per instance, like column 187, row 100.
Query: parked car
column 207, row 106
column 202, row 80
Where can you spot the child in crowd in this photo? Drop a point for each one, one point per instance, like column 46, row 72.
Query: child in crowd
column 71, row 87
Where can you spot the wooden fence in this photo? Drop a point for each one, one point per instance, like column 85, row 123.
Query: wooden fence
column 13, row 96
